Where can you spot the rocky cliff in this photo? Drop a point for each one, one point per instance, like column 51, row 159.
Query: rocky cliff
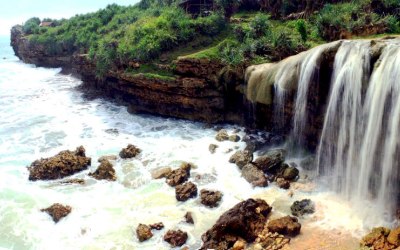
column 196, row 92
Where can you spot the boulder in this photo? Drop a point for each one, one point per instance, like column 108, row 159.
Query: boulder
column 185, row 191
column 244, row 221
column 129, row 152
column 377, row 239
column 107, row 158
column 286, row 225
column 210, row 198
column 271, row 161
column 394, row 237
column 212, row 148
column 282, row 183
column 157, row 226
column 234, row 138
column 222, row 135
column 241, row 158
column 179, row 176
column 189, row 218
column 254, row 176
column 176, row 238
column 105, row 171
column 302, row 207
column 63, row 164
column 57, row 211
column 143, row 232
column 290, row 173
column 161, row 173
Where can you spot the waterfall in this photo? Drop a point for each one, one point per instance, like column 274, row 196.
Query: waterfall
column 359, row 145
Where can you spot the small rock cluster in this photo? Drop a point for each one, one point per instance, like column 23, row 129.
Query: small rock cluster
column 223, row 135
column 381, row 238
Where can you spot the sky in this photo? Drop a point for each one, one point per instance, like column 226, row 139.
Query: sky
column 14, row 12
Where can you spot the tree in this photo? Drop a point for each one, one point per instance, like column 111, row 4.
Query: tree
column 31, row 26
column 229, row 7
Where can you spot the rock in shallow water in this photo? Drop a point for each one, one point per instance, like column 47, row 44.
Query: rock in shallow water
column 185, row 191
column 210, row 198
column 57, row 211
column 286, row 225
column 377, row 239
column 161, row 173
column 105, row 171
column 282, row 183
column 212, row 148
column 129, row 152
column 63, row 164
column 176, row 238
column 244, row 221
column 143, row 232
column 290, row 173
column 180, row 175
column 302, row 207
column 271, row 161
column 241, row 158
column 254, row 176
column 189, row 218
column 157, row 226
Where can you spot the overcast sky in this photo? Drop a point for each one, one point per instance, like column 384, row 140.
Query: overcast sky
column 17, row 11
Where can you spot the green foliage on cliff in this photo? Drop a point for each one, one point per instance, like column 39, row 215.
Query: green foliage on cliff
column 159, row 30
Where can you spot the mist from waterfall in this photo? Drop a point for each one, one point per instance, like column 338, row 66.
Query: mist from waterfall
column 359, row 147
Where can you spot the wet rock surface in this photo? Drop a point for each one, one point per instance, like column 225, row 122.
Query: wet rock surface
column 63, row 164
column 185, row 191
column 210, row 198
column 286, row 225
column 282, row 183
column 244, row 221
column 143, row 232
column 271, row 241
column 105, row 171
column 271, row 161
column 130, row 151
column 302, row 207
column 57, row 211
column 241, row 158
column 157, row 226
column 212, row 148
column 378, row 239
column 222, row 135
column 254, row 176
column 189, row 218
column 290, row 173
column 179, row 176
column 234, row 138
column 176, row 238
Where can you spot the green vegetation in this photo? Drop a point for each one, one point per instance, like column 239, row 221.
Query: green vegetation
column 158, row 31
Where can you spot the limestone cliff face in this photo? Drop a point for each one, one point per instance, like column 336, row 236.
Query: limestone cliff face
column 195, row 93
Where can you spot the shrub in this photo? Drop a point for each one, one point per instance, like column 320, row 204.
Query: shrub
column 302, row 29
column 260, row 25
column 31, row 26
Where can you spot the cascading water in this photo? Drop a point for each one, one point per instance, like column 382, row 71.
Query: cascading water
column 359, row 148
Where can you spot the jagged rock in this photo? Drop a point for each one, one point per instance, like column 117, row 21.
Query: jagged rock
column 212, row 148
column 157, row 226
column 286, row 225
column 234, row 138
column 210, row 198
column 179, row 176
column 63, row 164
column 107, row 158
column 129, row 152
column 377, row 239
column 189, row 218
column 302, row 207
column 241, row 158
column 290, row 173
column 282, row 183
column 105, row 171
column 161, row 173
column 185, row 191
column 271, row 161
column 394, row 237
column 244, row 221
column 239, row 245
column 143, row 232
column 254, row 176
column 176, row 238
column 57, row 211
column 222, row 135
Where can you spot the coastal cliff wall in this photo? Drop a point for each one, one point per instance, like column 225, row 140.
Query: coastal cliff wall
column 195, row 92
